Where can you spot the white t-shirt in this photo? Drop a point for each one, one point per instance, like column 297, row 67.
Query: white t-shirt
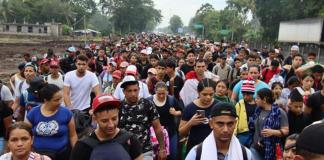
column 59, row 81
column 17, row 81
column 20, row 87
column 143, row 92
column 80, row 88
column 5, row 94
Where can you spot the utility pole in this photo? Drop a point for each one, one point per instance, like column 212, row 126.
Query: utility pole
column 85, row 31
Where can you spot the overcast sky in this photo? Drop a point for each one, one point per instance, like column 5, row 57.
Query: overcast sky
column 186, row 9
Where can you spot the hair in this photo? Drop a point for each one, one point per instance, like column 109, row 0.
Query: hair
column 298, row 55
column 161, row 63
column 237, row 59
column 295, row 96
column 272, row 51
column 154, row 56
column 255, row 66
column 311, row 54
column 307, row 75
column 200, row 61
column 292, row 80
column 171, row 64
column 106, row 108
column 266, row 93
column 293, row 137
column 274, row 84
column 206, row 83
column 82, row 58
column 250, row 56
column 222, row 81
column 20, row 125
column 48, row 90
column 160, row 84
column 190, row 51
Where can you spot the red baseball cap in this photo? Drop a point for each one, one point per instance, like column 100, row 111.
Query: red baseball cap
column 54, row 63
column 44, row 61
column 117, row 74
column 105, row 100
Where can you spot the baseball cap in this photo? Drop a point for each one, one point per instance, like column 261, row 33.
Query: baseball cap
column 294, row 48
column 30, row 64
column 144, row 51
column 124, row 64
column 311, row 138
column 128, row 80
column 112, row 63
column 71, row 49
column 117, row 74
column 223, row 108
column 54, row 64
column 131, row 69
column 105, row 100
column 248, row 86
column 35, row 85
column 152, row 70
column 44, row 61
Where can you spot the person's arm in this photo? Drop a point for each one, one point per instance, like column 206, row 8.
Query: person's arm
column 235, row 92
column 96, row 89
column 72, row 133
column 282, row 132
column 7, row 121
column 159, row 135
column 81, row 151
column 66, row 96
column 302, row 70
column 185, row 126
column 140, row 157
column 15, row 104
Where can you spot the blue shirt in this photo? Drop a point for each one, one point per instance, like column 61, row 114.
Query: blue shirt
column 28, row 100
column 258, row 86
column 50, row 133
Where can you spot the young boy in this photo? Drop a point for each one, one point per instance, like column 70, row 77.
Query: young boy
column 222, row 69
column 297, row 119
column 235, row 72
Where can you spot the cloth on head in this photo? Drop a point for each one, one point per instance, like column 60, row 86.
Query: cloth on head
column 131, row 69
column 248, row 85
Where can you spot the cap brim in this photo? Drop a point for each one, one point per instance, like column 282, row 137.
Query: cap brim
column 114, row 103
column 124, row 84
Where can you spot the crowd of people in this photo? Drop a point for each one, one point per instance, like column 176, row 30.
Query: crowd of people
column 147, row 96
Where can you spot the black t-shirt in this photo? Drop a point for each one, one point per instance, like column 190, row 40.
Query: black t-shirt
column 210, row 66
column 178, row 84
column 316, row 102
column 82, row 151
column 297, row 122
column 185, row 68
column 5, row 112
column 144, row 69
column 250, row 108
column 166, row 119
column 99, row 65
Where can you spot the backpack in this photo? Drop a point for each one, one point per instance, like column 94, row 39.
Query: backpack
column 199, row 150
column 117, row 148
column 82, row 122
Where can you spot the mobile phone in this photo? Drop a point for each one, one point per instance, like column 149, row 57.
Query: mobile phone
column 201, row 113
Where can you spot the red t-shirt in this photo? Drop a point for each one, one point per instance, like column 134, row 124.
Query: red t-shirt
column 268, row 73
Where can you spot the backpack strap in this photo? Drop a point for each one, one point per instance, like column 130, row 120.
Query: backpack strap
column 91, row 142
column 20, row 86
column 265, row 74
column 124, row 137
column 0, row 90
column 244, row 153
column 198, row 151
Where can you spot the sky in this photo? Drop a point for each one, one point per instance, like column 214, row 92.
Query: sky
column 186, row 9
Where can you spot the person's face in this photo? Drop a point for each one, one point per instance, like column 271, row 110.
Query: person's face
column 272, row 55
column 143, row 57
column 277, row 90
column 82, row 66
column 115, row 81
column 241, row 55
column 260, row 102
column 54, row 69
column 307, row 82
column 131, row 93
column 133, row 60
column 29, row 73
column 296, row 107
column 153, row 62
column 181, row 62
column 200, row 68
column 161, row 93
column 248, row 97
column 289, row 154
column 191, row 58
column 107, row 121
column 237, row 64
column 297, row 61
column 45, row 67
column 229, row 50
column 254, row 72
column 56, row 100
column 244, row 75
column 206, row 95
column 258, row 61
column 221, row 89
column 251, row 61
column 101, row 53
column 311, row 58
column 165, row 55
column 20, row 142
column 318, row 76
column 210, row 57
column 223, row 128
column 169, row 70
column 160, row 71
column 293, row 52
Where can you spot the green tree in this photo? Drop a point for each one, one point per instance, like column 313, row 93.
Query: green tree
column 175, row 23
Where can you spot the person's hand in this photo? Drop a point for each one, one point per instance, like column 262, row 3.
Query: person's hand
column 172, row 111
column 307, row 93
column 267, row 132
column 162, row 154
column 196, row 119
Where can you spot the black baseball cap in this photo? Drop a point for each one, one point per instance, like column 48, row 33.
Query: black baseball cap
column 311, row 138
column 223, row 108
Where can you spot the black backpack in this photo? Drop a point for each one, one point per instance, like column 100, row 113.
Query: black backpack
column 118, row 148
column 199, row 150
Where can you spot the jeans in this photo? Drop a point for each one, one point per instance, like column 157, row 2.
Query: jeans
column 2, row 145
column 173, row 147
column 148, row 155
